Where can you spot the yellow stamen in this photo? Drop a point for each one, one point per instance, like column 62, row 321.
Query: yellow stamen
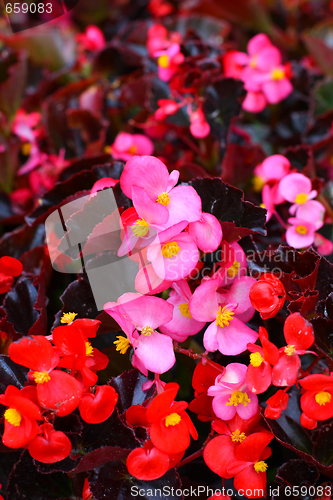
column 147, row 331
column 277, row 74
column 323, row 397
column 133, row 149
column 238, row 436
column 258, row 183
column 262, row 205
column 224, row 316
column 163, row 61
column 260, row 466
column 185, row 310
column 89, row 349
column 122, row 344
column 301, row 198
column 172, row 419
column 170, row 249
column 68, row 317
column 108, row 149
column 301, row 230
column 26, row 148
column 41, row 377
column 289, row 350
column 13, row 417
column 253, row 62
column 256, row 359
column 140, row 228
column 234, row 269
column 163, row 199
column 238, row 397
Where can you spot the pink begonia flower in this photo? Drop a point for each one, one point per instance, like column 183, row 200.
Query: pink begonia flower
column 148, row 283
column 206, row 232
column 199, row 127
column 182, row 324
column 139, row 317
column 160, row 38
column 301, row 233
column 324, row 246
column 24, row 123
column 101, row 184
column 312, row 211
column 227, row 332
column 126, row 146
column 168, row 61
column 182, row 203
column 173, row 254
column 231, row 394
column 93, row 38
column 273, row 168
column 297, row 189
column 238, row 267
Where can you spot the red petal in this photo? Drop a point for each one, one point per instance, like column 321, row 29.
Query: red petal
column 5, row 283
column 16, row 437
column 271, row 352
column 219, row 453
column 202, row 405
column 147, row 464
column 308, row 423
column 98, row 361
column 71, row 343
column 314, row 410
column 160, row 405
column 251, row 482
column 52, row 447
column 25, row 407
column 63, row 393
column 251, row 449
column 96, row 408
column 298, row 331
column 34, row 352
column 316, row 382
column 136, row 416
column 204, row 375
column 11, row 266
column 286, row 370
column 87, row 326
column 172, row 439
column 259, row 378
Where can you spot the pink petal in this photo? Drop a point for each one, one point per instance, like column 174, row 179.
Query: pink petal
column 185, row 205
column 234, row 338
column 180, row 327
column 248, row 411
column 143, row 144
column 148, row 283
column 152, row 212
column 156, row 352
column 148, row 311
column 206, row 232
column 274, row 168
column 294, row 184
column 277, row 90
column 297, row 240
column 254, row 102
column 147, row 172
column 312, row 211
column 268, row 59
column 239, row 294
column 221, row 409
column 173, row 179
column 204, row 302
column 258, row 43
column 209, row 339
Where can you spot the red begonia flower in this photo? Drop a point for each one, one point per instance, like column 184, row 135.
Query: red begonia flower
column 317, row 402
column 51, row 446
column 96, row 408
column 147, row 463
column 171, row 427
column 220, row 451
column 86, row 493
column 20, row 418
column 56, row 390
column 249, row 468
column 268, row 295
column 10, row 268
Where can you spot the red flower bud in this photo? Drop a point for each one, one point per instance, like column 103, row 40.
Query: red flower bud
column 268, row 295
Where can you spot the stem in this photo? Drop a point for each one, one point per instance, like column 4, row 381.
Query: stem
column 279, row 218
column 313, row 364
column 188, row 459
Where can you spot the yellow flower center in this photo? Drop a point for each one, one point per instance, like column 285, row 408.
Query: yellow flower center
column 301, row 198
column 253, row 62
column 172, row 419
column 301, row 230
column 238, row 436
column 277, row 74
column 163, row 199
column 26, row 148
column 68, row 318
column 41, row 377
column 238, row 397
column 256, row 359
column 133, row 149
column 323, row 397
column 289, row 350
column 260, row 466
column 262, row 205
column 89, row 349
column 147, row 331
column 163, row 61
column 170, row 249
column 185, row 310
column 13, row 417
column 224, row 316
column 258, row 183
column 234, row 269
column 140, row 228
column 122, row 344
